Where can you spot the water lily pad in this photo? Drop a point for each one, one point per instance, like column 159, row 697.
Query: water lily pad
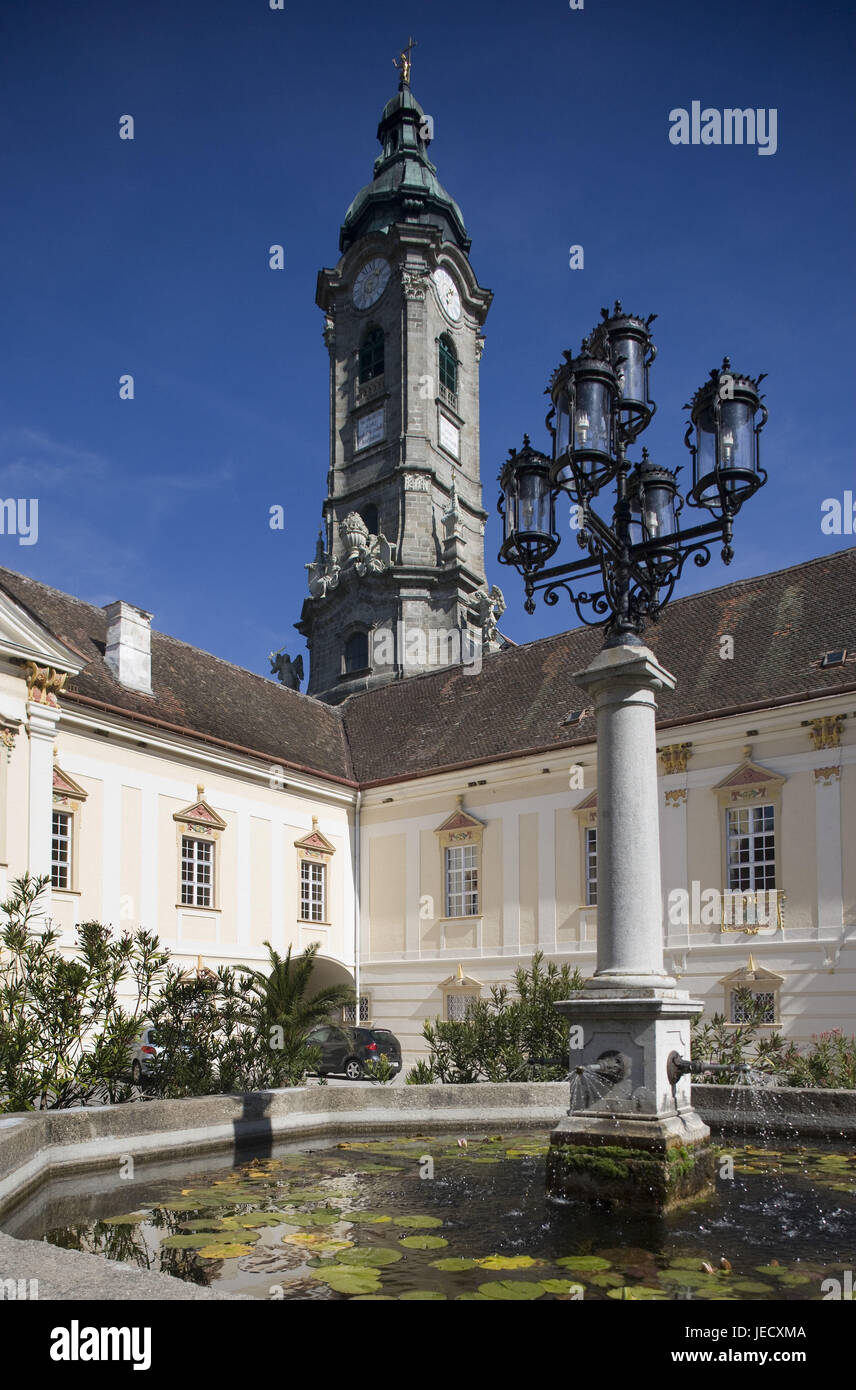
column 422, row 1296
column 508, row 1262
column 316, row 1240
column 351, row 1280
column 562, row 1286
column 421, row 1223
column 511, row 1290
column 373, row 1298
column 370, row 1257
column 374, row 1218
column 472, row 1298
column 226, row 1251
column 423, row 1242
column 453, row 1263
column 637, row 1293
column 792, row 1278
column 689, row 1262
column 130, row 1218
column 751, row 1286
column 211, row 1223
column 583, row 1263
column 609, row 1280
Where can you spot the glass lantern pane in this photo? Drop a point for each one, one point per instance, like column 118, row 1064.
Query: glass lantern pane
column 706, row 443
column 534, row 505
column 630, row 371
column 591, row 433
column 737, row 436
column 563, row 425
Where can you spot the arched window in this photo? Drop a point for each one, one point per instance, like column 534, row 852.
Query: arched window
column 448, row 364
column 371, row 355
column 357, row 652
column 369, row 516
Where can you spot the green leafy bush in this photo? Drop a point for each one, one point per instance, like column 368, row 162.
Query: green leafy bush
column 64, row 1036
column 508, row 1036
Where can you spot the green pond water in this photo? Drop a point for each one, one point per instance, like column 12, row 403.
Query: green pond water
column 427, row 1218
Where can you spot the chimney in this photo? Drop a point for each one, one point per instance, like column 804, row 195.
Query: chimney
column 129, row 645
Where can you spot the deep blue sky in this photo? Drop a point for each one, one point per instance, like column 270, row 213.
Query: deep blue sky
column 256, row 126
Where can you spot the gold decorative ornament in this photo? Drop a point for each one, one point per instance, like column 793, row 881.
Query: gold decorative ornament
column 826, row 731
column 674, row 758
column 44, row 684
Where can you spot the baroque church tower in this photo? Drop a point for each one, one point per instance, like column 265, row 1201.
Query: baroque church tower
column 397, row 585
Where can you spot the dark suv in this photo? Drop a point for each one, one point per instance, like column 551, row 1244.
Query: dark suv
column 346, row 1051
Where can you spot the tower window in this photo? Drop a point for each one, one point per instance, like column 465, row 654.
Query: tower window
column 357, row 652
column 371, row 356
column 369, row 516
column 448, row 365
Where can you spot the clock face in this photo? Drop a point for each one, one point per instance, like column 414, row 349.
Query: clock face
column 447, row 293
column 371, row 282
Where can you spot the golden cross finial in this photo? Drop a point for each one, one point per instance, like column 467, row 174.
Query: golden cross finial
column 406, row 62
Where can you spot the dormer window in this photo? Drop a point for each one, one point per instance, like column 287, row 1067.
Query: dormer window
column 371, row 355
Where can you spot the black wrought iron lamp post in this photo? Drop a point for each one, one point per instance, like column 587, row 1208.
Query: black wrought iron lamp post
column 635, row 551
column 601, row 404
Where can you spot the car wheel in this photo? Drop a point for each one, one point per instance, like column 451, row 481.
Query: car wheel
column 353, row 1069
column 136, row 1074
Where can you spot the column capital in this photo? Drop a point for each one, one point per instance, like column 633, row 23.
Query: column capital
column 628, row 666
column 42, row 719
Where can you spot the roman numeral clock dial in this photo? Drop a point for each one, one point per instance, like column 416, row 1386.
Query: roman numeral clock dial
column 447, row 293
column 371, row 282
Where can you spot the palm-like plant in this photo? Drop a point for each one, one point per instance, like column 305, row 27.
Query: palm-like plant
column 285, row 1009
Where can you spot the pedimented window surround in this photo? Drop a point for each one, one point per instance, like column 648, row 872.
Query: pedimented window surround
column 314, row 853
column 761, row 982
column 461, row 831
column 198, row 822
column 751, row 785
column 459, row 991
column 67, row 800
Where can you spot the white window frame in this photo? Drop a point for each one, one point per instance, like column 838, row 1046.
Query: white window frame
column 58, row 839
column 746, row 830
column 313, row 906
column 462, row 898
column 196, row 890
column 590, row 864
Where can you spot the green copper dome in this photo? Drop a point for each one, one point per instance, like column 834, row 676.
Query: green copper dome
column 405, row 187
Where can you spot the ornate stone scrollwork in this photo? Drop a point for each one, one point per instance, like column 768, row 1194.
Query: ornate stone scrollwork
column 413, row 284
column 826, row 731
column 44, row 684
column 674, row 757
column 323, row 571
column 367, row 554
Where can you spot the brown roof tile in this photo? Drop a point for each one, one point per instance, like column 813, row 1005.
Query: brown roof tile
column 193, row 691
column 781, row 623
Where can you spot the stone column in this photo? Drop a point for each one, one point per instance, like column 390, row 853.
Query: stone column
column 623, row 681
column 631, row 1134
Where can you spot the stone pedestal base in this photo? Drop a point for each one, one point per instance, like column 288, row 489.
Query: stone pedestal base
column 631, row 1135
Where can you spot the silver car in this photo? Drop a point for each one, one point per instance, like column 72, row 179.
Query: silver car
column 142, row 1054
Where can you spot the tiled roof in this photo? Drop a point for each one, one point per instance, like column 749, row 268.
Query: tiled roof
column 781, row 625
column 193, row 692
